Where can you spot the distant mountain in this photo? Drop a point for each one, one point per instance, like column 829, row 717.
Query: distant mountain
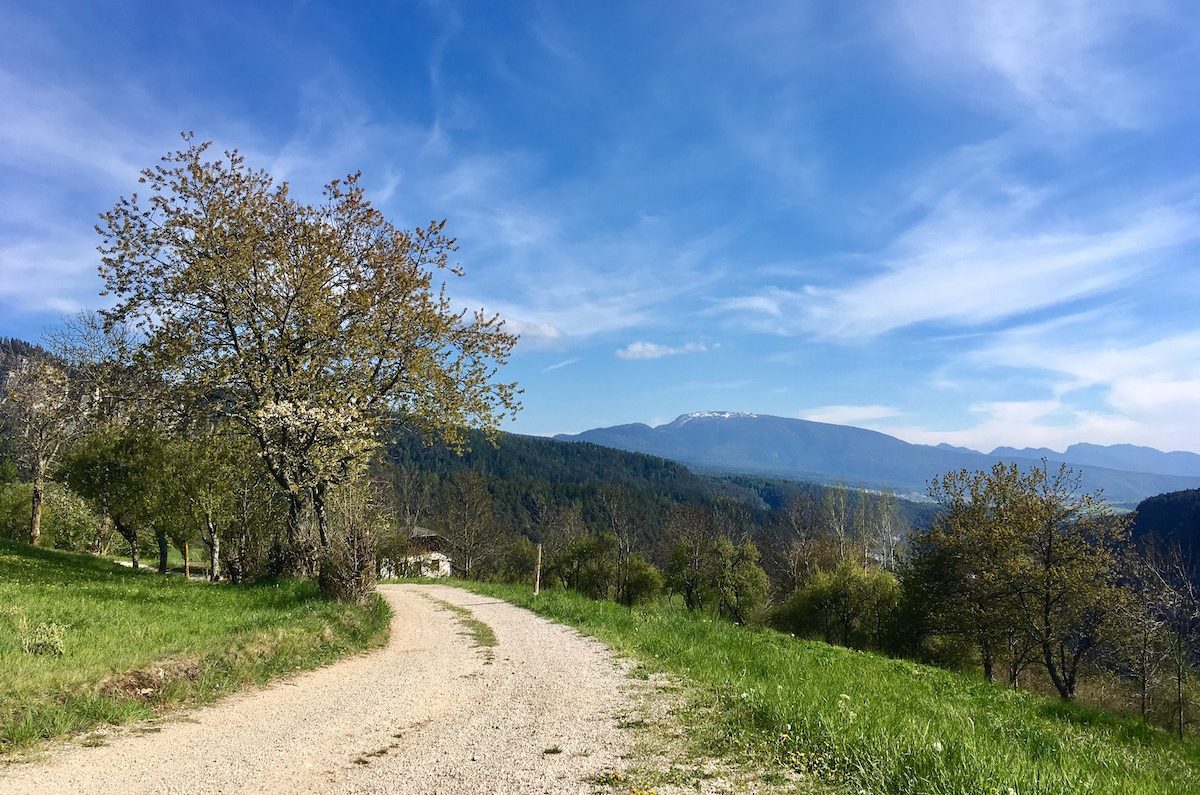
column 1129, row 457
column 806, row 450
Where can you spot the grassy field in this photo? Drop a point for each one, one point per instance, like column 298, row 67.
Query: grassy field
column 85, row 642
column 866, row 723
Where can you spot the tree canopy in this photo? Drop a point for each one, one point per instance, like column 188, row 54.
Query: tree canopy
column 310, row 326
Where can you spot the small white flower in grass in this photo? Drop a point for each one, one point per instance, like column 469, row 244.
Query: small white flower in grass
column 937, row 746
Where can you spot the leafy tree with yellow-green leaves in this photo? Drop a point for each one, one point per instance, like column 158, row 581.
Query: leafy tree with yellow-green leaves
column 1024, row 565
column 308, row 326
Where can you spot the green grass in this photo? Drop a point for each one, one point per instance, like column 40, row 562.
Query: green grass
column 867, row 723
column 480, row 633
column 134, row 642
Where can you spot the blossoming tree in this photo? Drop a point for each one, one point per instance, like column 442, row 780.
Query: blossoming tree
column 311, row 326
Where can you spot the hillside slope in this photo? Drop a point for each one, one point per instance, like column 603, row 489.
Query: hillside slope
column 1172, row 519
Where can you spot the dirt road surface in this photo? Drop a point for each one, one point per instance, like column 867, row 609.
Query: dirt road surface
column 429, row 713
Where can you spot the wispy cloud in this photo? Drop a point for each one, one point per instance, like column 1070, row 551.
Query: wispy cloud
column 1052, row 62
column 849, row 414
column 653, row 350
column 969, row 264
column 560, row 365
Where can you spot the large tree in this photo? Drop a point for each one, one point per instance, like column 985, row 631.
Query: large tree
column 309, row 325
column 1022, row 564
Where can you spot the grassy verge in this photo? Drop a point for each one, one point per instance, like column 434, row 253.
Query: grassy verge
column 85, row 642
column 872, row 724
column 480, row 633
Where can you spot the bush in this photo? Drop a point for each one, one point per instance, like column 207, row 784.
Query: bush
column 850, row 606
column 520, row 559
column 741, row 583
column 347, row 571
column 68, row 522
column 643, row 582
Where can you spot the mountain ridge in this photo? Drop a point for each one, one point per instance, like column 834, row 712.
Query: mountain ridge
column 754, row 443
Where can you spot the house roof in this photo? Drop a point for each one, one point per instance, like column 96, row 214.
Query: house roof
column 421, row 532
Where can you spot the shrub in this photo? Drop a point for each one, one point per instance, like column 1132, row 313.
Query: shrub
column 643, row 582
column 741, row 583
column 850, row 606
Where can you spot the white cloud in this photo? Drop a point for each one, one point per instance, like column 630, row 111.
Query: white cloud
column 969, row 267
column 51, row 276
column 844, row 414
column 1049, row 62
column 972, row 262
column 653, row 350
column 560, row 365
column 1105, row 389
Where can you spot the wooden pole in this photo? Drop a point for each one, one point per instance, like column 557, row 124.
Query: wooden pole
column 537, row 576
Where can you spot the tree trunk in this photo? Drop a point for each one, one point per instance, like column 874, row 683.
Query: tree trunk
column 1145, row 676
column 163, row 548
column 35, row 508
column 187, row 572
column 1181, row 667
column 1063, row 679
column 318, row 505
column 985, row 655
column 296, row 558
column 214, row 552
column 129, row 533
column 104, row 531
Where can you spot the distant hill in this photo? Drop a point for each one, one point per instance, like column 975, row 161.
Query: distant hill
column 517, row 466
column 1127, row 457
column 822, row 452
column 1172, row 518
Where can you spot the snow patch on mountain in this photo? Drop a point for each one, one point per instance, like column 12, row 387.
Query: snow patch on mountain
column 704, row 415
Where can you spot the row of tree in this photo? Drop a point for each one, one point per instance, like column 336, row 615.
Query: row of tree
column 1021, row 575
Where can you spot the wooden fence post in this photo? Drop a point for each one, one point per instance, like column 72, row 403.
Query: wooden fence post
column 537, row 576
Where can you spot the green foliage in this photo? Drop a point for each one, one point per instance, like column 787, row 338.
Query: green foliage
column 850, row 606
column 520, row 560
column 350, row 322
column 865, row 723
column 643, row 582
column 68, row 521
column 741, row 584
column 138, row 642
column 1023, row 566
column 594, row 562
column 120, row 469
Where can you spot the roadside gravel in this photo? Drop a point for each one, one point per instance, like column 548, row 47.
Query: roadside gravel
column 429, row 713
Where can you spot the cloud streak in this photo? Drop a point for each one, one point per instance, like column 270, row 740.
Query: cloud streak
column 653, row 350
column 1051, row 62
column 562, row 364
column 849, row 414
column 969, row 264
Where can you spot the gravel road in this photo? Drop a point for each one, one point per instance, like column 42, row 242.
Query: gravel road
column 430, row 713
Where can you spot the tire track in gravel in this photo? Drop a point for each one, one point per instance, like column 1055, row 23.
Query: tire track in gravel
column 428, row 713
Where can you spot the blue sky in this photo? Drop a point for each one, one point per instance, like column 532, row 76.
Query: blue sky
column 969, row 222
